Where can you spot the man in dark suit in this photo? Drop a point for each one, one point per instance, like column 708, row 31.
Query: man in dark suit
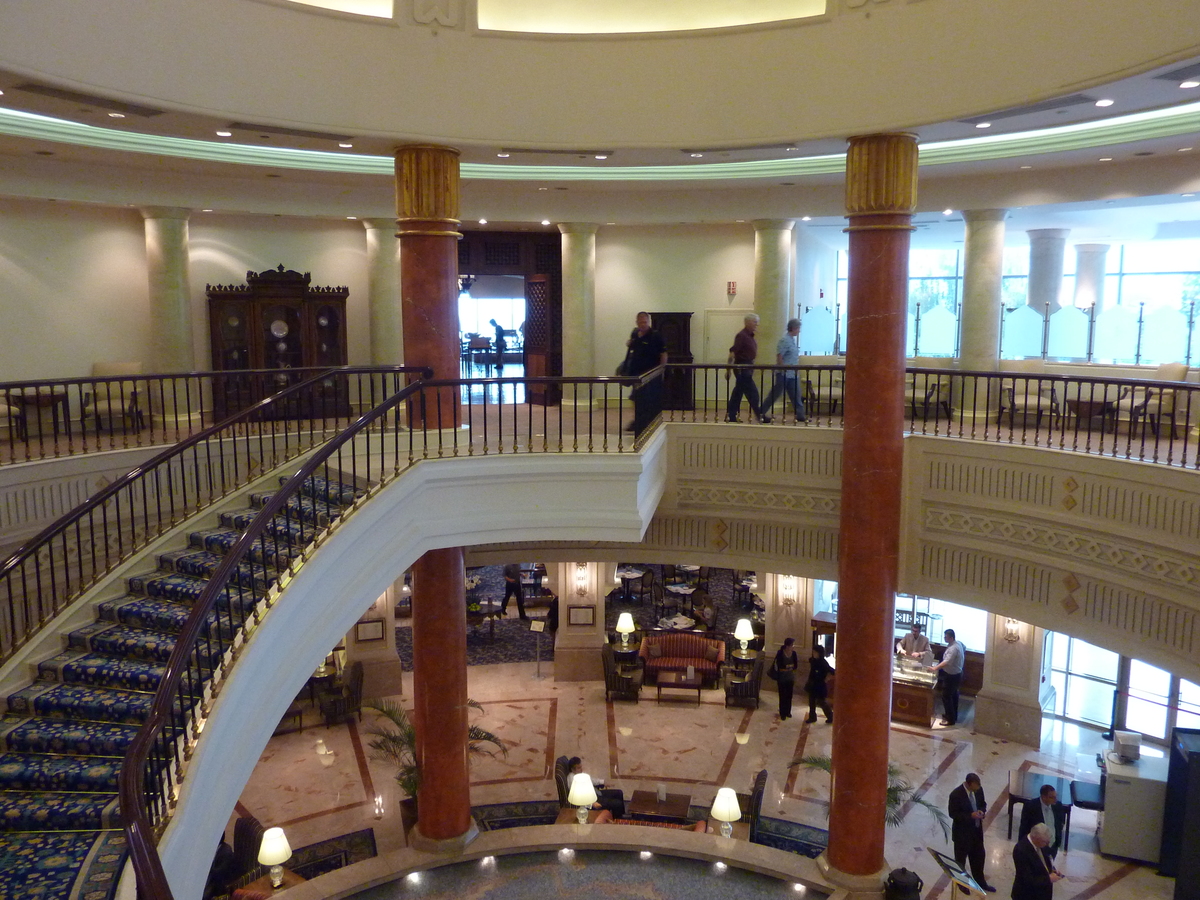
column 1049, row 811
column 967, row 809
column 1036, row 874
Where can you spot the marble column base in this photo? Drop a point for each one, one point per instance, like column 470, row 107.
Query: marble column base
column 1008, row 719
column 383, row 677
column 446, row 846
column 975, row 416
column 577, row 664
column 853, row 887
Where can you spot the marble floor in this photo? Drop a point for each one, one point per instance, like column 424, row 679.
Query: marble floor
column 689, row 748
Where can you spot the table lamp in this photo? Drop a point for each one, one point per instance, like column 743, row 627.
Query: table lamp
column 582, row 795
column 625, row 628
column 274, row 852
column 725, row 810
column 744, row 632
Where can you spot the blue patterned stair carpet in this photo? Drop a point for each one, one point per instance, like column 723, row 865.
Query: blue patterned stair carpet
column 64, row 735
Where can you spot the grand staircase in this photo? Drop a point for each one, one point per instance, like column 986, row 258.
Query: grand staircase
column 63, row 736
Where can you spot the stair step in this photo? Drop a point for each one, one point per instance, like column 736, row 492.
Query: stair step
column 151, row 613
column 45, row 865
column 58, row 811
column 113, row 639
column 39, row 772
column 327, row 491
column 100, row 671
column 186, row 589
column 296, row 531
column 316, row 512
column 203, row 563
column 80, row 702
column 39, row 734
column 275, row 552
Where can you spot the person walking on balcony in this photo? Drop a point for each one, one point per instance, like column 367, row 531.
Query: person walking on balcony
column 741, row 357
column 645, row 350
column 787, row 353
column 501, row 346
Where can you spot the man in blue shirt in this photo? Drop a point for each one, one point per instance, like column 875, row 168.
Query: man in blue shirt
column 951, row 668
column 787, row 353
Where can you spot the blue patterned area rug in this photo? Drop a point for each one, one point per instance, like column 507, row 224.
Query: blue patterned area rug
column 495, row 816
column 513, row 642
column 61, row 865
column 792, row 836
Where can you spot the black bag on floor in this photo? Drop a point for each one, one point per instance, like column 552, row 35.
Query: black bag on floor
column 902, row 884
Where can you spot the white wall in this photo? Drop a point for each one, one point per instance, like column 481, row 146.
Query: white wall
column 681, row 268
column 815, row 267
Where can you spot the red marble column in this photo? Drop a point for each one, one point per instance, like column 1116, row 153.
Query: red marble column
column 881, row 178
column 440, row 694
column 427, row 220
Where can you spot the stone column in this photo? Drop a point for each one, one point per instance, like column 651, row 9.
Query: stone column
column 1015, row 687
column 427, row 208
column 170, row 297
column 1090, row 266
column 577, row 647
column 979, row 321
column 772, row 280
column 383, row 292
column 578, row 297
column 440, row 701
column 1047, row 246
column 881, row 191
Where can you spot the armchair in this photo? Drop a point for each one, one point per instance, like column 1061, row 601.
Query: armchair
column 118, row 400
column 562, row 781
column 1034, row 393
column 756, row 802
column 1153, row 403
column 247, row 838
column 928, row 393
column 744, row 687
column 626, row 685
column 345, row 699
column 12, row 415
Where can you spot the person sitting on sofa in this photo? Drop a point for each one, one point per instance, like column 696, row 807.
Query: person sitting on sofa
column 609, row 798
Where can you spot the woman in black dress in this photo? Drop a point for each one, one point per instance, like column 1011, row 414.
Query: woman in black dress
column 818, row 692
column 786, row 663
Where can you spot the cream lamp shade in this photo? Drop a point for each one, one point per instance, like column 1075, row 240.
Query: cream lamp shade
column 582, row 795
column 625, row 627
column 744, row 632
column 274, row 852
column 725, row 810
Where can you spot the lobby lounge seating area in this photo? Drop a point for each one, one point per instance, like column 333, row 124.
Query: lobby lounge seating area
column 679, row 651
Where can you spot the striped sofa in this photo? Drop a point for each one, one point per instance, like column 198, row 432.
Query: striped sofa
column 674, row 651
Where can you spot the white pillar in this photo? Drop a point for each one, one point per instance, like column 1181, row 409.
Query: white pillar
column 578, row 297
column 577, row 647
column 772, row 279
column 1009, row 705
column 1090, row 262
column 383, row 292
column 382, row 670
column 1047, row 247
column 979, row 320
column 170, row 297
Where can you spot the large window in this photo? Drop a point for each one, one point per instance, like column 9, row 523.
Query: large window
column 1084, row 678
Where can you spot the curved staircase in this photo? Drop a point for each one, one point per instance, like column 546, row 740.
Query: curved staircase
column 64, row 735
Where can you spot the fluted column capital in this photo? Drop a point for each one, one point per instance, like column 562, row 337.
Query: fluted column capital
column 584, row 228
column 974, row 216
column 881, row 176
column 165, row 212
column 773, row 224
column 427, row 199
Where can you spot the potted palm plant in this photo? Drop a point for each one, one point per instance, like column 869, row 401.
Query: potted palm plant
column 899, row 791
column 394, row 740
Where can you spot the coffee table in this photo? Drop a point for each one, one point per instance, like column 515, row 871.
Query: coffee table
column 646, row 805
column 679, row 681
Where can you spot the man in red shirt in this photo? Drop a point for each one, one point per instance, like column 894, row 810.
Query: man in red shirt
column 742, row 355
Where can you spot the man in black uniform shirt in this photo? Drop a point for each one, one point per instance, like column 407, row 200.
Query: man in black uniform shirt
column 646, row 350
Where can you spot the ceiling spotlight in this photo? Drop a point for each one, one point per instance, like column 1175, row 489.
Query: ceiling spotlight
column 483, row 221
column 946, row 212
column 696, row 155
column 601, row 156
column 1187, row 195
column 502, row 155
column 116, row 115
column 1106, row 159
column 352, row 218
column 1026, row 167
column 806, row 218
column 545, row 221
column 1105, row 102
column 543, row 189
column 224, row 134
column 983, row 124
column 1, row 93
column 206, row 210
column 1189, row 84
column 1185, row 149
column 790, row 149
column 345, row 145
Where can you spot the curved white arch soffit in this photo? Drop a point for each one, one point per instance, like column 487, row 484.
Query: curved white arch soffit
column 865, row 66
column 1117, row 524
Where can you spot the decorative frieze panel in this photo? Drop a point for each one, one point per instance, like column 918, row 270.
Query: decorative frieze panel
column 699, row 495
column 1141, row 506
column 991, row 480
column 983, row 574
column 1151, row 618
column 773, row 461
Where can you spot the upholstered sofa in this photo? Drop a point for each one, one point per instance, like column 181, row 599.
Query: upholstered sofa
column 674, row 651
column 605, row 818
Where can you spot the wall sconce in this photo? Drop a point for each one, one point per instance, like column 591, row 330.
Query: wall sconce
column 725, row 810
column 274, row 852
column 1012, row 631
column 787, row 590
column 581, row 579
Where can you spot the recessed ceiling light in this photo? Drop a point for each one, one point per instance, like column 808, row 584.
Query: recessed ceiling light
column 806, row 218
column 1, row 93
column 791, row 149
column 352, row 218
column 983, row 125
column 206, row 210
column 1189, row 84
column 696, row 155
column 543, row 189
column 116, row 115
column 502, row 155
column 1185, row 149
column 483, row 221
column 1106, row 159
column 1105, row 102
column 345, row 145
column 1026, row 167
column 1187, row 195
column 545, row 221
column 946, row 212
column 601, row 156
column 224, row 134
